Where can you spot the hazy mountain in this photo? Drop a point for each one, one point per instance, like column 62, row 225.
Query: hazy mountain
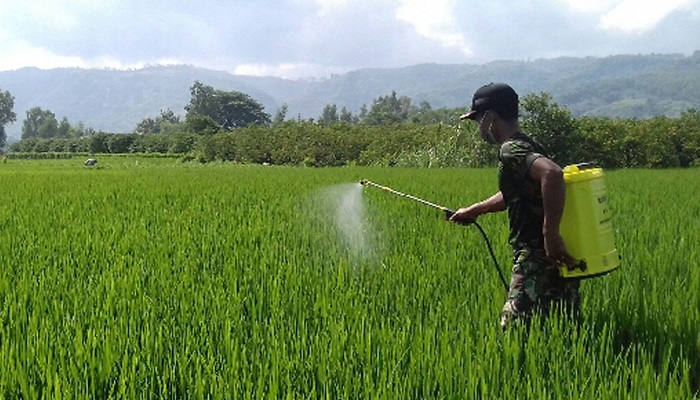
column 626, row 86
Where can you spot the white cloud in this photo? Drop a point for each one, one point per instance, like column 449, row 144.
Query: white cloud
column 302, row 38
column 434, row 19
column 632, row 16
column 51, row 14
column 329, row 6
column 21, row 54
column 638, row 16
column 286, row 71
column 16, row 54
column 60, row 15
column 591, row 6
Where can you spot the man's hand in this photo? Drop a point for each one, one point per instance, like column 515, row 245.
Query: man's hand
column 556, row 251
column 465, row 216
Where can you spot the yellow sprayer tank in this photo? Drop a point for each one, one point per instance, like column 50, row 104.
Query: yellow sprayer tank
column 586, row 224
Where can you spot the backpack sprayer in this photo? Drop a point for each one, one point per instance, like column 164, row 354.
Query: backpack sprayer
column 448, row 213
column 586, row 224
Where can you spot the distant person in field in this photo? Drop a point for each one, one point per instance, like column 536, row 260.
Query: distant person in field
column 532, row 189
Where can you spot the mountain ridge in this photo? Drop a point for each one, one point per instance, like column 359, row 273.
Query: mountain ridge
column 619, row 86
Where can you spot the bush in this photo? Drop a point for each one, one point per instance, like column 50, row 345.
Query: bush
column 656, row 143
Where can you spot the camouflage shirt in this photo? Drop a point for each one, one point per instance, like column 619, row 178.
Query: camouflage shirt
column 521, row 194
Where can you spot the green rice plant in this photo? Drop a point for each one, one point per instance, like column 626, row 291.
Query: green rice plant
column 153, row 278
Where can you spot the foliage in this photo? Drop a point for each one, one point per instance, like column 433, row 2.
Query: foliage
column 202, row 100
column 99, row 143
column 238, row 110
column 281, row 114
column 7, row 103
column 450, row 146
column 228, row 109
column 553, row 127
column 39, row 124
column 346, row 116
column 157, row 125
column 7, row 115
column 390, row 109
column 46, row 155
column 149, row 278
column 392, row 133
column 330, row 114
column 201, row 124
column 426, row 115
column 657, row 143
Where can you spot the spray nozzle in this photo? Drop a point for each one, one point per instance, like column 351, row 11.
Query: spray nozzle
column 363, row 182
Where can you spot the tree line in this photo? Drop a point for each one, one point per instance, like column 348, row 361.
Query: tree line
column 232, row 126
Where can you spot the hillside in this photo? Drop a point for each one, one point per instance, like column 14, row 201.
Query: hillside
column 625, row 86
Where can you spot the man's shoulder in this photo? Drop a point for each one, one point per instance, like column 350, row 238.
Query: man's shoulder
column 518, row 144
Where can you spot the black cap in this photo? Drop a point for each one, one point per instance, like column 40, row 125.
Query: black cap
column 494, row 96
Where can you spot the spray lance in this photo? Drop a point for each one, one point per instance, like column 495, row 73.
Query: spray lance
column 448, row 213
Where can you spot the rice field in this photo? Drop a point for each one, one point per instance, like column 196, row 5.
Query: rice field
column 156, row 279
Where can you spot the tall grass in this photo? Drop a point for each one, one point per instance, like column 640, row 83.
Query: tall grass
column 155, row 279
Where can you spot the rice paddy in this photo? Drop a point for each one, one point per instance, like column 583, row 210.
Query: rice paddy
column 157, row 279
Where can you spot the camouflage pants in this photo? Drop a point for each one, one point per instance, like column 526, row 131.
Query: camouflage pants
column 536, row 286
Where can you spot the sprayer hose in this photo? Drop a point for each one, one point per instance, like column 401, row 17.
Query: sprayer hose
column 493, row 256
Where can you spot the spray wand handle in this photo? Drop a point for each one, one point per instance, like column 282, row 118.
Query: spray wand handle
column 449, row 213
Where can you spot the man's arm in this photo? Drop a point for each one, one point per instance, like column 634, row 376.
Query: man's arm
column 467, row 215
column 553, row 188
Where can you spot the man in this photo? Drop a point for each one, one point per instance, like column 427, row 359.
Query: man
column 532, row 189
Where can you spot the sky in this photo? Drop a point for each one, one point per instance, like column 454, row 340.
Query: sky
column 316, row 38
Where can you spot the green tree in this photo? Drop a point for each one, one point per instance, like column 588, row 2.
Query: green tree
column 149, row 144
column 346, row 116
column 426, row 115
column 7, row 116
column 281, row 114
column 181, row 143
column 604, row 140
column 202, row 101
column 80, row 131
column 63, row 130
column 98, row 143
column 201, row 125
column 362, row 116
column 150, row 125
column 238, row 110
column 553, row 127
column 330, row 114
column 687, row 139
column 168, row 116
column 229, row 110
column 147, row 126
column 39, row 123
column 120, row 143
column 387, row 110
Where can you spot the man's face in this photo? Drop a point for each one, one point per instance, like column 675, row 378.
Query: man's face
column 485, row 131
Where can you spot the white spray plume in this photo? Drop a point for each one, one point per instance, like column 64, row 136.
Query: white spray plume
column 345, row 204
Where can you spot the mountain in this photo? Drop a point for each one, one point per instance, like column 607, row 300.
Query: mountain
column 623, row 86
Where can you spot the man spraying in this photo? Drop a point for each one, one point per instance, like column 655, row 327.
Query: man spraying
column 532, row 189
